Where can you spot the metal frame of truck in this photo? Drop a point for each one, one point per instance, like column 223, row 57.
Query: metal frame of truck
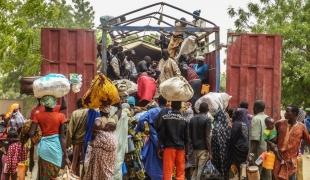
column 111, row 25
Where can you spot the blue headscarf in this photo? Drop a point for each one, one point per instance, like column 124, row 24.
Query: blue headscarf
column 91, row 117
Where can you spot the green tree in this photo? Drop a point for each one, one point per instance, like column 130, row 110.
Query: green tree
column 290, row 19
column 83, row 14
column 223, row 82
column 21, row 22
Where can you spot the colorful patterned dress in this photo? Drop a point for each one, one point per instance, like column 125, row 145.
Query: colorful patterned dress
column 102, row 157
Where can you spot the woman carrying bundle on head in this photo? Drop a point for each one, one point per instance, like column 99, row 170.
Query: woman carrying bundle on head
column 52, row 146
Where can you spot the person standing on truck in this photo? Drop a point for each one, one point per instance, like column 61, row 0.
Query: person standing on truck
column 200, row 136
column 153, row 70
column 146, row 88
column 201, row 69
column 114, row 65
column 122, row 66
column 75, row 135
column 144, row 64
column 173, row 137
column 258, row 144
column 188, row 72
column 130, row 66
column 168, row 67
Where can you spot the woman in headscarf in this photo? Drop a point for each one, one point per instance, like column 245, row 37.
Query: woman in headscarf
column 220, row 137
column 15, row 117
column 152, row 162
column 52, row 146
column 239, row 139
column 121, row 133
column 103, row 148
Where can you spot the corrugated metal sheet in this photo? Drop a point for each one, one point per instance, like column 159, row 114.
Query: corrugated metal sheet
column 69, row 51
column 254, row 70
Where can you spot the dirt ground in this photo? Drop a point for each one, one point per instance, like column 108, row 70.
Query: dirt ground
column 306, row 167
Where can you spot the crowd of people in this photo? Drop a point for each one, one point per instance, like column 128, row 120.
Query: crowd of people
column 147, row 137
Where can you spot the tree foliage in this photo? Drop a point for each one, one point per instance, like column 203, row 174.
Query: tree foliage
column 83, row 13
column 21, row 22
column 290, row 19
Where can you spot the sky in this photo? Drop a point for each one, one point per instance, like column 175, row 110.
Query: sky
column 213, row 10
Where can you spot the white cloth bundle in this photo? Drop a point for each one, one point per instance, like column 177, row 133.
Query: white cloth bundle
column 125, row 87
column 176, row 89
column 52, row 84
column 215, row 101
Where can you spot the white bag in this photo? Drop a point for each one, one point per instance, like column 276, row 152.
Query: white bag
column 52, row 84
column 176, row 89
column 76, row 82
column 188, row 46
column 215, row 101
column 125, row 87
column 68, row 175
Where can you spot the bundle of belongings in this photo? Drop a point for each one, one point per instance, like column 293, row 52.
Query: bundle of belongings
column 56, row 85
column 215, row 101
column 102, row 90
column 176, row 89
column 125, row 87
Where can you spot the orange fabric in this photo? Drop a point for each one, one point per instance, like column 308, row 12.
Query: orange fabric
column 42, row 109
column 288, row 141
column 173, row 158
column 49, row 122
column 12, row 108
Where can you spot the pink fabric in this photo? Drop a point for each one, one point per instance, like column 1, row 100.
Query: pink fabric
column 146, row 87
column 16, row 154
column 3, row 165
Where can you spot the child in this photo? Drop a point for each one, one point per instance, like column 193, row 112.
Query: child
column 15, row 154
column 270, row 135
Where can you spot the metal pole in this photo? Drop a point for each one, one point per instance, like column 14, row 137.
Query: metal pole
column 104, row 57
column 218, row 60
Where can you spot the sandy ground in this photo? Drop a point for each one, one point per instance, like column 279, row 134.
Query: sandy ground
column 306, row 167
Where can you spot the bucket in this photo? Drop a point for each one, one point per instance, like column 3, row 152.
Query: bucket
column 205, row 89
column 253, row 173
column 269, row 160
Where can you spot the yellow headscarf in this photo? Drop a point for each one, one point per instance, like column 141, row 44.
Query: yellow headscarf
column 13, row 107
